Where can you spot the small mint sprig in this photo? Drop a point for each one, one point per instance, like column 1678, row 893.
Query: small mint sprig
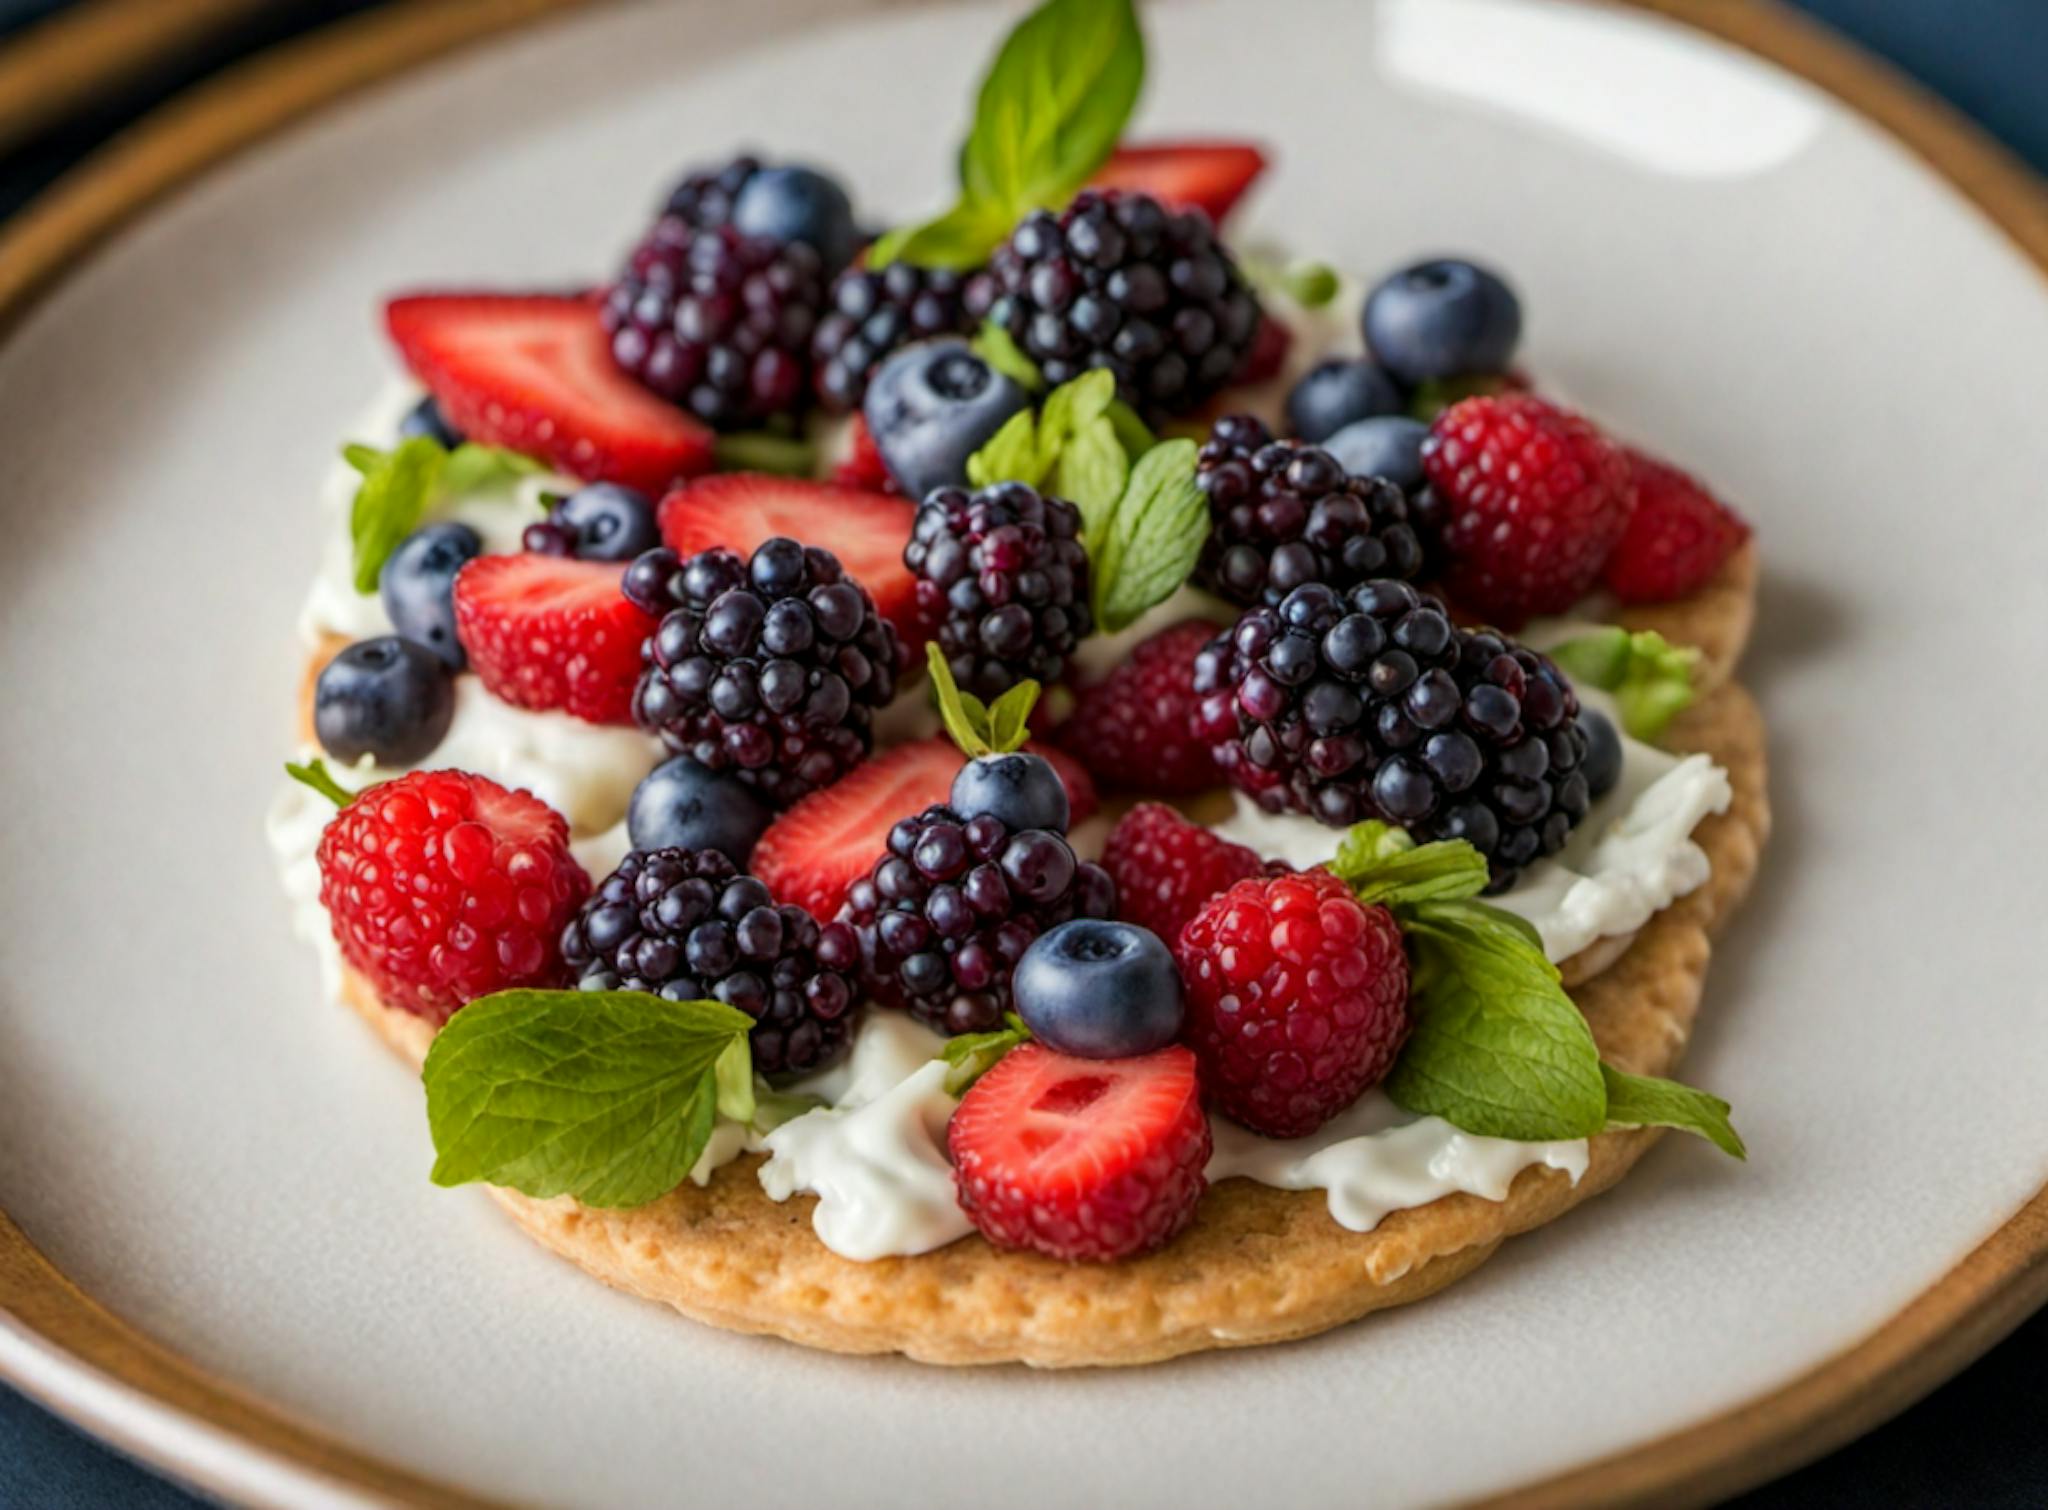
column 1650, row 678
column 399, row 486
column 969, row 1056
column 315, row 775
column 1497, row 1047
column 980, row 729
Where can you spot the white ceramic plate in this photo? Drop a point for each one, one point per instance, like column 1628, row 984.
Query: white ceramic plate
column 1716, row 259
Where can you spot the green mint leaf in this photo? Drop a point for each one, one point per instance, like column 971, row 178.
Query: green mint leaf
column 733, row 1077
column 1152, row 539
column 1434, row 395
column 765, row 451
column 1091, row 472
column 314, row 774
column 1010, row 719
column 391, row 502
column 473, row 468
column 608, row 1096
column 997, row 347
column 1384, row 867
column 1010, row 455
column 1650, row 678
column 1069, row 407
column 961, row 238
column 362, row 458
column 1132, row 433
column 1643, row 1101
column 972, row 1055
column 773, row 1108
column 964, row 715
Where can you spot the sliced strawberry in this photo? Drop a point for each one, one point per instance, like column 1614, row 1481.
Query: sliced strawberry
column 832, row 838
column 866, row 530
column 534, row 372
column 1209, row 176
column 552, row 632
column 862, row 465
column 1081, row 1159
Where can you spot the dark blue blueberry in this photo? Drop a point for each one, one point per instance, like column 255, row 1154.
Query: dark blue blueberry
column 389, row 698
column 1602, row 765
column 1440, row 319
column 930, row 407
column 606, row 522
column 1388, row 446
column 681, row 805
column 425, row 418
column 1340, row 392
column 1022, row 790
column 798, row 204
column 417, row 584
column 1099, row 989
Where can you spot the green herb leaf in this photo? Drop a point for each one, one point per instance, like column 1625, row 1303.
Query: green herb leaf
column 1383, row 866
column 1644, row 1101
column 961, row 238
column 1650, row 678
column 1310, row 284
column 474, row 468
column 1010, row 718
column 391, row 502
column 995, row 346
column 1132, row 433
column 314, row 774
column 1153, row 538
column 1434, row 395
column 1091, row 471
column 733, row 1076
column 976, row 728
column 765, row 451
column 608, row 1096
column 1010, row 455
column 972, row 1055
column 773, row 1108
column 361, row 457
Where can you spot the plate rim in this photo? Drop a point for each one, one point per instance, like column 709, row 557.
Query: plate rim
column 63, row 1348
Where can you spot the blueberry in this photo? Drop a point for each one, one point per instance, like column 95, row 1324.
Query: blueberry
column 1602, row 765
column 390, row 699
column 682, row 805
column 1022, row 790
column 425, row 418
column 1337, row 393
column 1443, row 318
column 1388, row 446
column 417, row 584
column 1099, row 989
column 798, row 204
column 932, row 406
column 607, row 522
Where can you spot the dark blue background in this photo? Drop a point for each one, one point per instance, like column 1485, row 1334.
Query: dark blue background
column 1979, row 1441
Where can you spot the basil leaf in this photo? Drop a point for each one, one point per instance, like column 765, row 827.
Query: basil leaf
column 995, row 346
column 1153, row 539
column 1383, row 866
column 1650, row 678
column 392, row 500
column 1010, row 455
column 969, row 1056
column 961, row 238
column 1642, row 1101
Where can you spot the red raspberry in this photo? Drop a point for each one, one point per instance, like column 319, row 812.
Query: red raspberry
column 1165, row 867
column 1677, row 538
column 443, row 887
column 1297, row 999
column 1081, row 1158
column 552, row 632
column 1135, row 727
column 1533, row 498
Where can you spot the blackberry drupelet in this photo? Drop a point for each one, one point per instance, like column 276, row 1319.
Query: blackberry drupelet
column 946, row 914
column 1283, row 514
column 1119, row 281
column 1371, row 704
column 688, row 926
column 869, row 314
column 704, row 199
column 1002, row 583
column 770, row 668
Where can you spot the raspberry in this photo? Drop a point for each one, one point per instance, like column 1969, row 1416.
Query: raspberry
column 1081, row 1159
column 1533, row 499
column 1134, row 727
column 1165, row 867
column 705, row 198
column 862, row 466
column 443, row 887
column 1677, row 538
column 1297, row 999
column 870, row 314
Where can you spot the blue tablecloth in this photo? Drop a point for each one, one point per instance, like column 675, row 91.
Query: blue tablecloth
column 1979, row 1441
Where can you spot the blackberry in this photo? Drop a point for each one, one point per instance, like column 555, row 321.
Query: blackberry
column 688, row 926
column 946, row 914
column 705, row 198
column 1283, row 513
column 1369, row 703
column 1119, row 281
column 1002, row 583
column 872, row 313
column 716, row 322
column 770, row 668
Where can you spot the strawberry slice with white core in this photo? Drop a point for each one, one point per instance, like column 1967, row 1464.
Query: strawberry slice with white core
column 534, row 373
column 552, row 632
column 1208, row 176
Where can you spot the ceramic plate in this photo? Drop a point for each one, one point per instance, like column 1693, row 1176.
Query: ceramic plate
column 1716, row 259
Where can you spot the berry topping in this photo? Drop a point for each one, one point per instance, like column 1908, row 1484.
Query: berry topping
column 688, row 926
column 601, row 522
column 930, row 407
column 1205, row 176
column 1020, row 788
column 1533, row 500
column 1268, row 355
column 869, row 315
column 1678, row 536
column 1099, row 990
column 1134, row 727
column 769, row 667
column 443, row 887
column 534, row 373
column 862, row 466
column 1297, row 999
column 1081, row 1159
column 417, row 586
column 390, row 699
column 1387, row 446
column 681, row 805
column 1283, row 514
column 1165, row 867
column 1370, row 704
column 426, row 419
column 797, row 204
column 1118, row 281
column 705, row 197
column 1002, row 584
column 548, row 632
column 1441, row 319
column 1602, row 764
column 1337, row 393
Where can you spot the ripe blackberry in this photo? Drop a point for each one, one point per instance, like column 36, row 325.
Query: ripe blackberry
column 1284, row 513
column 686, row 925
column 946, row 914
column 1119, row 281
column 716, row 322
column 705, row 198
column 1371, row 704
column 869, row 314
column 770, row 668
column 1002, row 583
